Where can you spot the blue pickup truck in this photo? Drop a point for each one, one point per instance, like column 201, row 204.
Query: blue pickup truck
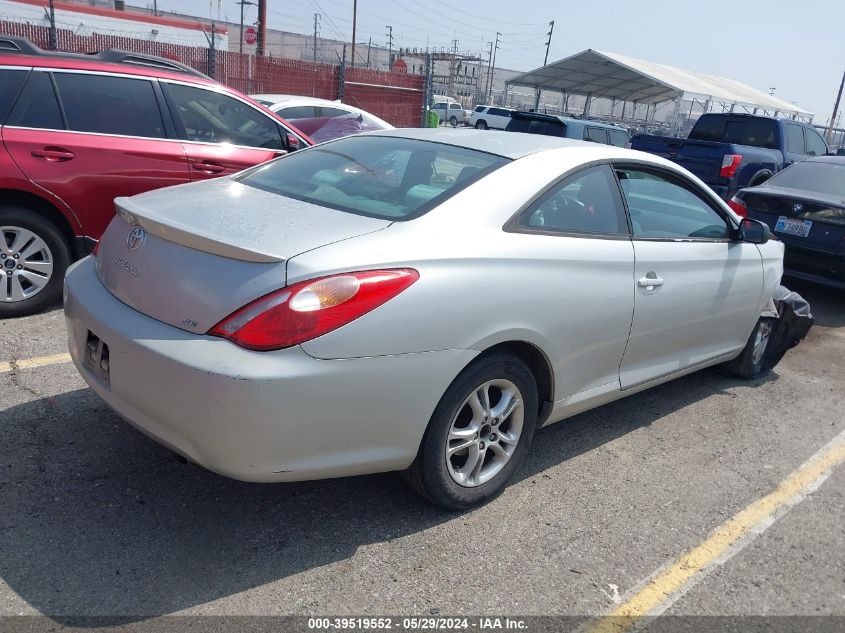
column 731, row 151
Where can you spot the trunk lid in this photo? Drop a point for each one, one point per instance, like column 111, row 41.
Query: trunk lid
column 191, row 255
column 827, row 213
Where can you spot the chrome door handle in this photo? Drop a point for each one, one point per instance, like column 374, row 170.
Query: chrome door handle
column 650, row 282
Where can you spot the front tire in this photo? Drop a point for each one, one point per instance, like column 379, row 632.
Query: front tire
column 453, row 121
column 481, row 125
column 478, row 435
column 751, row 361
column 33, row 258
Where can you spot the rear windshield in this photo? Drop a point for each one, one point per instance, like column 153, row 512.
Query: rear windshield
column 753, row 131
column 537, row 126
column 826, row 178
column 377, row 176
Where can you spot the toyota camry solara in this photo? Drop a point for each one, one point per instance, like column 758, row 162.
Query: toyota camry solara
column 414, row 300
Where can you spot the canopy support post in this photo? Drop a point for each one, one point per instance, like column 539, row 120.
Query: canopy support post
column 587, row 104
column 677, row 111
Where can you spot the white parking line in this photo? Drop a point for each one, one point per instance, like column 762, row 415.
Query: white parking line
column 28, row 363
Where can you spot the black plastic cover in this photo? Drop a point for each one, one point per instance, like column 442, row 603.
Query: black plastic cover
column 793, row 324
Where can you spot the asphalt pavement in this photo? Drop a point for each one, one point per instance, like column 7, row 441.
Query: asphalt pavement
column 98, row 520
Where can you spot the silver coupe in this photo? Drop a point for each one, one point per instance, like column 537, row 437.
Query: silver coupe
column 412, row 300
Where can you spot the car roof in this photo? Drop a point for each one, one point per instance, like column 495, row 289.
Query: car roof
column 93, row 65
column 507, row 144
column 279, row 99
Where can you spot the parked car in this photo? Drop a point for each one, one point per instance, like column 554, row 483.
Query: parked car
column 320, row 119
column 568, row 127
column 731, row 151
column 451, row 113
column 417, row 300
column 489, row 116
column 805, row 207
column 79, row 130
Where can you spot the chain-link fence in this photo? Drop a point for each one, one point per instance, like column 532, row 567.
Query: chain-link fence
column 397, row 97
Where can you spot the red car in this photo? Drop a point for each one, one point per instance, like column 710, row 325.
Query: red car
column 77, row 131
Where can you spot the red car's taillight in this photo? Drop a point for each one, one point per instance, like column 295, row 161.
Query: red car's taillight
column 738, row 207
column 311, row 308
column 730, row 163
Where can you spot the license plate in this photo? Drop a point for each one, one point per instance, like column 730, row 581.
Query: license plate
column 791, row 226
column 97, row 356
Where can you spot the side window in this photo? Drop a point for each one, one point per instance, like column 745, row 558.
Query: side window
column 10, row 84
column 596, row 134
column 333, row 112
column 212, row 117
column 37, row 106
column 815, row 145
column 298, row 112
column 110, row 105
column 617, row 138
column 586, row 202
column 794, row 138
column 661, row 207
column 479, row 108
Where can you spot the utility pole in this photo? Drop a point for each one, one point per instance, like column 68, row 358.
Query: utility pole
column 155, row 7
column 369, row 46
column 316, row 26
column 243, row 3
column 262, row 28
column 54, row 43
column 389, row 46
column 452, row 70
column 354, row 25
column 493, row 66
column 835, row 110
column 545, row 61
column 487, row 79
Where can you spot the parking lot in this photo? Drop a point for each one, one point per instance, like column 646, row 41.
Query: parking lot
column 98, row 520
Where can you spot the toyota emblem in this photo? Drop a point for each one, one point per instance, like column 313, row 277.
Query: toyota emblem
column 136, row 238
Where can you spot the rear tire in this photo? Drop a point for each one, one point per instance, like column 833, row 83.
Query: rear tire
column 481, row 125
column 33, row 258
column 751, row 361
column 478, row 435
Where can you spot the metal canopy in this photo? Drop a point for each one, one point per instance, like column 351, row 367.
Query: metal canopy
column 614, row 76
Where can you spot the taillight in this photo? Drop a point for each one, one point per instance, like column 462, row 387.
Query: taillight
column 730, row 163
column 738, row 207
column 309, row 309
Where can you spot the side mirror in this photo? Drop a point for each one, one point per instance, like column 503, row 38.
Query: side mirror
column 754, row 231
column 293, row 143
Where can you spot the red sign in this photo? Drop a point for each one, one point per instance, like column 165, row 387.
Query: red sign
column 400, row 66
column 250, row 35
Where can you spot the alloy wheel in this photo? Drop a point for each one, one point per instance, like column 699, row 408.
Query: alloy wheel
column 761, row 341
column 26, row 264
column 484, row 433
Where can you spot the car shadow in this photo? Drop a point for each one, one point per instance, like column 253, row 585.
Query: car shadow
column 100, row 521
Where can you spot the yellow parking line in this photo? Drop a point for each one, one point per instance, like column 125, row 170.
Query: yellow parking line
column 28, row 363
column 668, row 585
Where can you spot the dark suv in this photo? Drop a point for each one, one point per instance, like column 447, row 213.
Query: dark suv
column 77, row 131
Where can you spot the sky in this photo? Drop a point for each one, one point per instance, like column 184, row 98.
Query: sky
column 794, row 47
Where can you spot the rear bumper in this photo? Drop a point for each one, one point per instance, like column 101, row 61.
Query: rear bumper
column 815, row 265
column 253, row 416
